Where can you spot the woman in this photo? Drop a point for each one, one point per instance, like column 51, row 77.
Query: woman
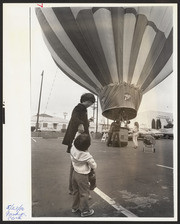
column 135, row 134
column 78, row 123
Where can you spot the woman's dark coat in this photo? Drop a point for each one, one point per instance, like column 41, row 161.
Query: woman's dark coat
column 79, row 116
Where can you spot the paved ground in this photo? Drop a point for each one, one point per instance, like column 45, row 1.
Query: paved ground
column 140, row 182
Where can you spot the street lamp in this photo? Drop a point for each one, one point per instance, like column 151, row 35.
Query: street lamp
column 95, row 107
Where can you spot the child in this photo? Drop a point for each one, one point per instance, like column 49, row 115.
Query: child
column 82, row 162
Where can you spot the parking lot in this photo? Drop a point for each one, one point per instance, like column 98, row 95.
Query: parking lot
column 130, row 183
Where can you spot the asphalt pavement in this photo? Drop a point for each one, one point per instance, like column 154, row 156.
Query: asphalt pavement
column 130, row 183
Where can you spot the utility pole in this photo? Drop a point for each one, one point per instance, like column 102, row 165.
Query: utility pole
column 65, row 114
column 97, row 115
column 37, row 123
column 93, row 108
column 107, row 124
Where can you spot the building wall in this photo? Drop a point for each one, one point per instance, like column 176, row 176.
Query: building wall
column 145, row 118
column 50, row 124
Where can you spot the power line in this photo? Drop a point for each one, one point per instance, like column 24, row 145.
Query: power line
column 50, row 91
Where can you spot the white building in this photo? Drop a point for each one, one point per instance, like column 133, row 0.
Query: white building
column 145, row 119
column 153, row 119
column 49, row 123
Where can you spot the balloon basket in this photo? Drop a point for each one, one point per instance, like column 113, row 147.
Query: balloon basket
column 120, row 100
column 119, row 138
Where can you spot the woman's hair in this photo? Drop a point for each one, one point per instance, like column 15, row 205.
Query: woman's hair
column 136, row 124
column 87, row 97
column 82, row 142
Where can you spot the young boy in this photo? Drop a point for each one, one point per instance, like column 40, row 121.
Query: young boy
column 82, row 162
column 78, row 123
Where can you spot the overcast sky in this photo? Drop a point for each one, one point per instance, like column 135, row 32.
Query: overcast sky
column 60, row 94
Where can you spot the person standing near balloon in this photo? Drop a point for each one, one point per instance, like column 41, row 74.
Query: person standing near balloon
column 110, row 133
column 83, row 162
column 135, row 134
column 78, row 123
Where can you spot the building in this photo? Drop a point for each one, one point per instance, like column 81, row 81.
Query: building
column 153, row 119
column 49, row 123
column 146, row 119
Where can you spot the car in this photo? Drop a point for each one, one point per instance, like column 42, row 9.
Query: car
column 167, row 133
column 157, row 134
column 144, row 132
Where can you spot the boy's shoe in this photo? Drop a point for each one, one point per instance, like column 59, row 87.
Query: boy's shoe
column 88, row 213
column 74, row 210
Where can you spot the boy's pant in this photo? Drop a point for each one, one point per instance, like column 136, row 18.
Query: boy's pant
column 80, row 185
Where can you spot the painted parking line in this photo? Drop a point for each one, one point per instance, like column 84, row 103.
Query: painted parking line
column 168, row 167
column 114, row 204
column 33, row 139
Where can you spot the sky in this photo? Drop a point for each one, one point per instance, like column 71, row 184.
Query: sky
column 60, row 94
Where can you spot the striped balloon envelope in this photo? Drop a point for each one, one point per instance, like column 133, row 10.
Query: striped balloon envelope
column 116, row 53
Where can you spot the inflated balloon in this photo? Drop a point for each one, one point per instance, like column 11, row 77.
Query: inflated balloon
column 117, row 53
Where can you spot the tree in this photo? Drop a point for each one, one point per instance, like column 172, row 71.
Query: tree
column 153, row 124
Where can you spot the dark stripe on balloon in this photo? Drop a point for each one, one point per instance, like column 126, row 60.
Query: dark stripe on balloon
column 152, row 57
column 150, row 23
column 73, row 29
column 60, row 49
column 141, row 22
column 118, row 28
column 89, row 31
column 72, row 78
column 131, row 10
column 161, row 61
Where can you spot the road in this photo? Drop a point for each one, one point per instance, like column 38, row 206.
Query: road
column 130, row 182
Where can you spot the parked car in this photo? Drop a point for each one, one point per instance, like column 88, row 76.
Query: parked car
column 143, row 132
column 167, row 133
column 156, row 133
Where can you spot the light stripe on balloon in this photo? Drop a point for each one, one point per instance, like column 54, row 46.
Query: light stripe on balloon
column 67, row 43
column 152, row 57
column 60, row 50
column 66, row 68
column 144, row 50
column 87, row 26
column 140, row 27
column 105, row 32
column 129, row 25
column 164, row 56
column 166, row 71
column 118, row 29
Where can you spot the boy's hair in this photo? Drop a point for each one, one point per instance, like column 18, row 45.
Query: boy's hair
column 82, row 142
column 87, row 97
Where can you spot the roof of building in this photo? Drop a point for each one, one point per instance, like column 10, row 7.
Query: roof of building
column 45, row 115
column 48, row 118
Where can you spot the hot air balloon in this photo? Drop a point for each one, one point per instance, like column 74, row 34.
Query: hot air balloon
column 117, row 53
